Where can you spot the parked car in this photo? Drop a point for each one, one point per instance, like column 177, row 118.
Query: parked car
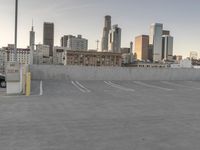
column 2, row 81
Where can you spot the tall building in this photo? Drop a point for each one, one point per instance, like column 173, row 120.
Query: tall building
column 48, row 36
column 166, row 32
column 150, row 52
column 115, row 39
column 32, row 44
column 107, row 27
column 74, row 43
column 131, row 47
column 155, row 39
column 142, row 47
column 167, row 47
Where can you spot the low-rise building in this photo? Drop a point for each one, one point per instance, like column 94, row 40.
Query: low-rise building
column 2, row 61
column 58, row 55
column 149, row 65
column 92, row 58
column 185, row 63
column 23, row 55
column 195, row 62
column 127, row 58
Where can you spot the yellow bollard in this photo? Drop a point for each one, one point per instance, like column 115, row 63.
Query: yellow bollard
column 28, row 84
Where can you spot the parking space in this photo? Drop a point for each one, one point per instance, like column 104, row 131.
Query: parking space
column 88, row 115
column 35, row 87
column 119, row 90
column 189, row 84
column 150, row 85
column 89, row 87
column 182, row 85
column 56, row 88
column 2, row 91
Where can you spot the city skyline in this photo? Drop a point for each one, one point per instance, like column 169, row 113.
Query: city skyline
column 179, row 18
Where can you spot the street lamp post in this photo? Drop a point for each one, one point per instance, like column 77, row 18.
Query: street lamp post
column 16, row 19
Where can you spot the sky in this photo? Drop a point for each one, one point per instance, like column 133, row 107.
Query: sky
column 86, row 17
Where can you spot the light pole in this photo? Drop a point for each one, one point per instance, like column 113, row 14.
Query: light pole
column 16, row 18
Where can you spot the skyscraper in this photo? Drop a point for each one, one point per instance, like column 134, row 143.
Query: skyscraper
column 156, row 32
column 32, row 44
column 115, row 39
column 131, row 47
column 48, row 36
column 142, row 47
column 166, row 32
column 107, row 27
column 167, row 47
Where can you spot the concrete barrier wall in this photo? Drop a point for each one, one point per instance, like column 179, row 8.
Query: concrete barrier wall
column 51, row 72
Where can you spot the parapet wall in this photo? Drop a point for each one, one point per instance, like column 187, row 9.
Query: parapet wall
column 52, row 72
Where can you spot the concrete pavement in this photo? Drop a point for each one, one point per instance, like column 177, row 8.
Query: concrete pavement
column 98, row 115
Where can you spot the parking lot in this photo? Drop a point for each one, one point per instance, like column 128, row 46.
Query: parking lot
column 103, row 115
column 2, row 91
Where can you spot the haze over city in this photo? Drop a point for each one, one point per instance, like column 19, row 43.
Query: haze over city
column 86, row 18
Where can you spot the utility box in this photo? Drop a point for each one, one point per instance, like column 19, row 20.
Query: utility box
column 13, row 78
column 13, row 72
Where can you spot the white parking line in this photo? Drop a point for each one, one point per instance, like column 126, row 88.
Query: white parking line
column 41, row 88
column 191, row 82
column 80, row 87
column 118, row 86
column 152, row 86
column 87, row 90
column 179, row 85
